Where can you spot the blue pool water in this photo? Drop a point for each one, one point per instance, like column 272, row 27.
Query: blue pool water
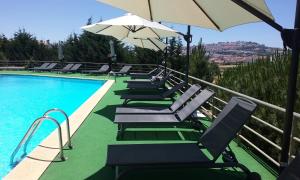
column 25, row 98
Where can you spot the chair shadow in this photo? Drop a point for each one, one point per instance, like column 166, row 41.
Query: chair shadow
column 103, row 173
column 108, row 112
column 170, row 173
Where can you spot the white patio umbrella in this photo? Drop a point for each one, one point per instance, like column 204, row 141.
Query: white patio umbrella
column 131, row 26
column 213, row 14
column 148, row 43
column 219, row 15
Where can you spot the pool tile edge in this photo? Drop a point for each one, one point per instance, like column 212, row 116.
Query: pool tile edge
column 34, row 165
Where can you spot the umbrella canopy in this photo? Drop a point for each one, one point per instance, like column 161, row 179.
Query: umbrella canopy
column 149, row 43
column 131, row 26
column 213, row 14
column 222, row 14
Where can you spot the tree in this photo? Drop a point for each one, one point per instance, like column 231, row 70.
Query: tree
column 174, row 52
column 3, row 47
column 200, row 66
column 24, row 46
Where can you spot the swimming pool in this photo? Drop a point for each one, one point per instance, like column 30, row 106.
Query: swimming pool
column 25, row 98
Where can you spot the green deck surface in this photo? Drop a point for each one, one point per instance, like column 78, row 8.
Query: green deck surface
column 88, row 157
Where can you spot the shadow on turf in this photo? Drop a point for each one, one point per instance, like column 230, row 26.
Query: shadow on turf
column 108, row 173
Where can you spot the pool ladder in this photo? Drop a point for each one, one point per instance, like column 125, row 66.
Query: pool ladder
column 34, row 127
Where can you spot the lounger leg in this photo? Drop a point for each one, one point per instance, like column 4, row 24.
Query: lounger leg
column 116, row 172
column 126, row 101
column 120, row 134
column 173, row 99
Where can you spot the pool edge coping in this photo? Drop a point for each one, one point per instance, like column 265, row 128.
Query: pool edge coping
column 37, row 162
column 51, row 76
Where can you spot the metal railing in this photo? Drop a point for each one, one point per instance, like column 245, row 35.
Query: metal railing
column 178, row 76
column 85, row 65
column 215, row 109
column 33, row 129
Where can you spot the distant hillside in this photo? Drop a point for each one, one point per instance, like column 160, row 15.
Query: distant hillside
column 237, row 52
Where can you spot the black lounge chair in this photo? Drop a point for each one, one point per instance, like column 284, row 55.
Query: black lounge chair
column 48, row 68
column 188, row 94
column 292, row 172
column 152, row 97
column 157, row 77
column 123, row 120
column 123, row 71
column 145, row 75
column 43, row 66
column 74, row 68
column 215, row 140
column 66, row 68
column 102, row 70
column 149, row 85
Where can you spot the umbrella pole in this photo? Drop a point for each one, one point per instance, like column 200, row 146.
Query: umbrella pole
column 166, row 57
column 291, row 91
column 188, row 39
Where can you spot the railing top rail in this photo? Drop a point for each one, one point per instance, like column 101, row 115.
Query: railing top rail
column 237, row 93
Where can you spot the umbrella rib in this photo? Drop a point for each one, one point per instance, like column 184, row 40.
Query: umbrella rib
column 154, row 44
column 215, row 24
column 154, row 32
column 150, row 10
column 142, row 43
column 103, row 29
column 126, row 28
column 128, row 31
column 141, row 28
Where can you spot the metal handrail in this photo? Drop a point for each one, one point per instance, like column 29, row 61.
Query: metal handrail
column 268, row 105
column 67, row 122
column 32, row 130
column 46, row 114
column 237, row 93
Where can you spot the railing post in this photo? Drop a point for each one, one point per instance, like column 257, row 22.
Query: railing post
column 188, row 39
column 291, row 91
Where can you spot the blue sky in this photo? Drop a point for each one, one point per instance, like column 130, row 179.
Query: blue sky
column 56, row 19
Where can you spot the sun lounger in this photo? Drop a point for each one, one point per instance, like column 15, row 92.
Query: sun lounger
column 149, row 85
column 188, row 94
column 152, row 97
column 123, row 71
column 148, row 75
column 66, row 68
column 292, row 172
column 102, row 70
column 214, row 140
column 43, row 66
column 157, row 77
column 123, row 120
column 74, row 68
column 48, row 68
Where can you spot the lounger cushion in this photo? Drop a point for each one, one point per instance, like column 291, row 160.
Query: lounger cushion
column 140, row 81
column 155, row 154
column 143, row 110
column 224, row 128
column 185, row 97
column 141, row 97
column 143, row 86
column 161, row 110
column 144, row 118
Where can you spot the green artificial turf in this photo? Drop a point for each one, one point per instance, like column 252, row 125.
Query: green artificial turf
column 87, row 159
